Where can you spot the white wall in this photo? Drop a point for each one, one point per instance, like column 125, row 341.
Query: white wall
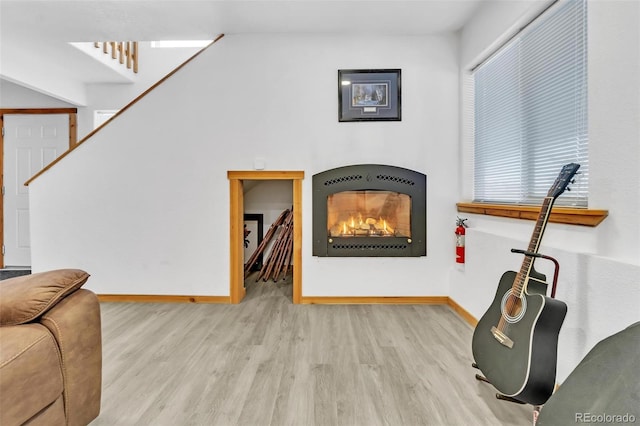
column 15, row 96
column 493, row 23
column 269, row 198
column 53, row 91
column 138, row 204
column 22, row 67
column 614, row 124
column 599, row 266
column 155, row 63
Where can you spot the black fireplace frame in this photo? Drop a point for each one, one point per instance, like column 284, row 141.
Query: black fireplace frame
column 370, row 177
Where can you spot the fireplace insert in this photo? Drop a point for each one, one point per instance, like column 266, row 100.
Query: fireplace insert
column 369, row 210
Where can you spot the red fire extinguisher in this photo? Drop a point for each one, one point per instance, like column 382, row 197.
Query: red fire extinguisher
column 460, row 232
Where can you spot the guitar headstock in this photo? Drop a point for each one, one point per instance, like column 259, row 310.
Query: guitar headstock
column 563, row 180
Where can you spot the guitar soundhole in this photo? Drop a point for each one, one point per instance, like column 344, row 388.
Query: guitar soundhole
column 513, row 307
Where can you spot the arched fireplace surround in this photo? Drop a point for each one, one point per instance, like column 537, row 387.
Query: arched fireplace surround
column 369, row 210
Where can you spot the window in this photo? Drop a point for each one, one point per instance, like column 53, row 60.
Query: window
column 530, row 111
column 102, row 116
column 180, row 43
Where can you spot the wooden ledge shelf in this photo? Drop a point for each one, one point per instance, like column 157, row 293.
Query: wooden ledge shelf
column 571, row 216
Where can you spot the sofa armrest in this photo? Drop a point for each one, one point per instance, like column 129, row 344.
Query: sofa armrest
column 25, row 298
column 75, row 323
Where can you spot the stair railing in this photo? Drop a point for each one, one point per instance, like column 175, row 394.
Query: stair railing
column 123, row 51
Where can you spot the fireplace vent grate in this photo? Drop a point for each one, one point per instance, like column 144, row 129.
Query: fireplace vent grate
column 369, row 246
column 343, row 179
column 396, row 179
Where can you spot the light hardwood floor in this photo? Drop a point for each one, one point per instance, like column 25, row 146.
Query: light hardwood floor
column 269, row 362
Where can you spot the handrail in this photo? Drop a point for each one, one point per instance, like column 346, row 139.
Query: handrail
column 121, row 50
column 142, row 95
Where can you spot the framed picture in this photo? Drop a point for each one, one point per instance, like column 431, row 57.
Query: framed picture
column 369, row 95
column 252, row 237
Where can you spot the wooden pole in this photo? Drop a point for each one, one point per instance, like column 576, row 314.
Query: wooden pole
column 273, row 264
column 121, row 52
column 287, row 261
column 134, row 56
column 263, row 244
column 283, row 256
column 128, row 54
column 268, row 265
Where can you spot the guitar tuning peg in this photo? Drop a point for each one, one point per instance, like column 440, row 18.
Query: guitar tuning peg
column 568, row 189
column 572, row 181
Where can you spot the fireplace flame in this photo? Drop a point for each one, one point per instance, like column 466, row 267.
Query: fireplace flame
column 360, row 226
column 368, row 214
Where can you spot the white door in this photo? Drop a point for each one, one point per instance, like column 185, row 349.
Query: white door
column 31, row 141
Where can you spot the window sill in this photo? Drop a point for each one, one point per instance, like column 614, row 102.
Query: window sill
column 571, row 216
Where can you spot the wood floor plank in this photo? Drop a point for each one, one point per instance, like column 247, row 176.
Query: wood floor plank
column 269, row 362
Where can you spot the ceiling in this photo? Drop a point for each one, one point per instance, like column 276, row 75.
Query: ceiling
column 41, row 30
column 89, row 20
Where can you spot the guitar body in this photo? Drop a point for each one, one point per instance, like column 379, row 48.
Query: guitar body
column 525, row 371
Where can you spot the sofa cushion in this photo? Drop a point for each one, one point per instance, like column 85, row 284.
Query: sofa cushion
column 603, row 388
column 52, row 415
column 25, row 298
column 30, row 372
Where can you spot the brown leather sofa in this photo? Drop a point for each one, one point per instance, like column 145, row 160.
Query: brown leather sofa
column 50, row 350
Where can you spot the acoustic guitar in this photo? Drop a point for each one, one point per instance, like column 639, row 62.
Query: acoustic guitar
column 515, row 342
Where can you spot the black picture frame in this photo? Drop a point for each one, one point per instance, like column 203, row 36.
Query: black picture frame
column 369, row 95
column 253, row 223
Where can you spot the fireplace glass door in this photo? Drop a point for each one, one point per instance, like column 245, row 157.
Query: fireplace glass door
column 369, row 213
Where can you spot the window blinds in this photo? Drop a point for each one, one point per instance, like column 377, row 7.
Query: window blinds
column 531, row 111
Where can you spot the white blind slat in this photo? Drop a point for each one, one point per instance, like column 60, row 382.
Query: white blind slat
column 530, row 111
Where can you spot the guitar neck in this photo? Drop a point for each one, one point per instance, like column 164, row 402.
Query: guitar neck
column 534, row 244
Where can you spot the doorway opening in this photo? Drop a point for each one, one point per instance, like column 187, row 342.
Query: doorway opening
column 236, row 226
column 25, row 164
